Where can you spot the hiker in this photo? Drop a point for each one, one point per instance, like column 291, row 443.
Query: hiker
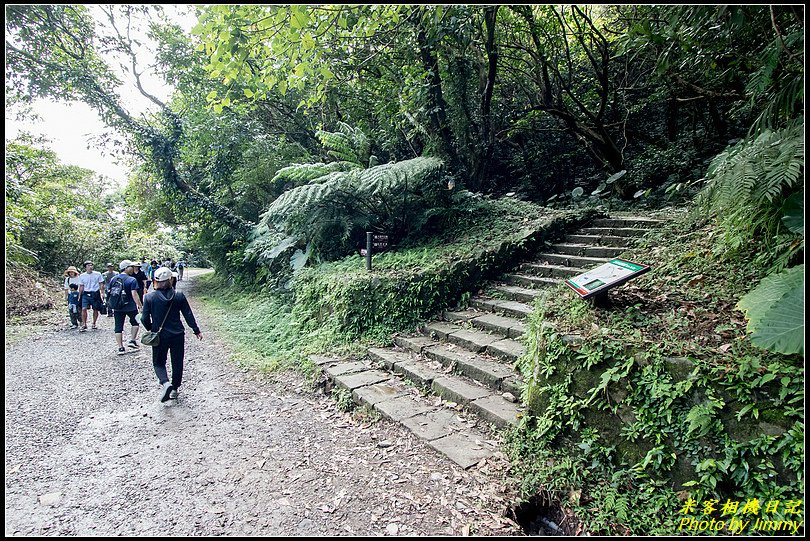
column 141, row 277
column 124, row 299
column 73, row 306
column 71, row 277
column 180, row 266
column 150, row 273
column 109, row 275
column 161, row 310
column 91, row 291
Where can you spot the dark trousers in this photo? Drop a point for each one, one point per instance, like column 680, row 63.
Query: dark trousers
column 75, row 317
column 175, row 344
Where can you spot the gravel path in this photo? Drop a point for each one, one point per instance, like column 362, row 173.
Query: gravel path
column 91, row 451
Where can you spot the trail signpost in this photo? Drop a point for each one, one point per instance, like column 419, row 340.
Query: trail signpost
column 374, row 243
column 595, row 284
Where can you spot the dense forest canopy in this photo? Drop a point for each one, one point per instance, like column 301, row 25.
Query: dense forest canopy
column 543, row 100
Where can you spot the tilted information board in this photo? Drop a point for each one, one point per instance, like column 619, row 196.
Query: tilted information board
column 597, row 281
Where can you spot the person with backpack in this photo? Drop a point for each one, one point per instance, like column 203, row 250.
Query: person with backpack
column 124, row 300
column 161, row 310
column 109, row 275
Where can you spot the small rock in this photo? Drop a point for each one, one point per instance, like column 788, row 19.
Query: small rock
column 51, row 498
column 385, row 444
column 392, row 529
column 509, row 396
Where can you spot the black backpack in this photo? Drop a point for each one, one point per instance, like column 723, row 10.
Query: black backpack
column 116, row 298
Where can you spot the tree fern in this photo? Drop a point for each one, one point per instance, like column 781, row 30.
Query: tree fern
column 304, row 173
column 392, row 197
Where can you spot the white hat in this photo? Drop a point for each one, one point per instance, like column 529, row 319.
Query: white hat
column 163, row 274
column 124, row 264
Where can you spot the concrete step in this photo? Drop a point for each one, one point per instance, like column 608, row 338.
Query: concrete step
column 626, row 221
column 485, row 400
column 517, row 293
column 505, row 326
column 583, row 249
column 445, row 430
column 551, row 271
column 598, row 240
column 527, row 280
column 571, row 260
column 615, row 231
column 510, row 308
column 491, row 373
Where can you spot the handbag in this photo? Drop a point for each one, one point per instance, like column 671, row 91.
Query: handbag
column 152, row 338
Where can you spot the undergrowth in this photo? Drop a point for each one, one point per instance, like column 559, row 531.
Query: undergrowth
column 665, row 400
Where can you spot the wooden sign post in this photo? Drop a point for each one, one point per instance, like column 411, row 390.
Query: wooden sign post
column 595, row 284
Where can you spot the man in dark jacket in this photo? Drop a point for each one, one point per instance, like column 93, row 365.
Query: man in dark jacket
column 161, row 310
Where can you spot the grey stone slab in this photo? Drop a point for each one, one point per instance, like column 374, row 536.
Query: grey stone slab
column 351, row 382
column 455, row 390
column 380, row 392
column 461, row 316
column 418, row 372
column 388, row 357
column 507, row 349
column 321, row 360
column 497, row 410
column 517, row 293
column 414, row 343
column 509, row 327
column 463, row 449
column 340, row 368
column 488, row 372
column 472, row 340
column 518, row 309
column 447, row 354
column 442, row 330
column 434, row 424
column 401, row 408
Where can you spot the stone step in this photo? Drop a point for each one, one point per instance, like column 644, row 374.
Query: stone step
column 443, row 429
column 511, row 308
column 460, row 316
column 527, row 280
column 626, row 221
column 579, row 249
column 506, row 326
column 615, row 231
column 495, row 375
column 598, row 240
column 571, row 260
column 517, row 293
column 547, row 270
column 507, row 349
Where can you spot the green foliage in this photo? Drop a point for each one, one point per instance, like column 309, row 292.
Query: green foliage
column 749, row 185
column 662, row 395
column 331, row 214
column 775, row 312
column 305, row 173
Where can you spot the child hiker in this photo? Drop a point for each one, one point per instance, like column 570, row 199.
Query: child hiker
column 73, row 306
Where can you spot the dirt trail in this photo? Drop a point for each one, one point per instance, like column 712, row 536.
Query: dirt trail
column 90, row 450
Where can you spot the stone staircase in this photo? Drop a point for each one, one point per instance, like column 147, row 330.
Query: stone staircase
column 468, row 358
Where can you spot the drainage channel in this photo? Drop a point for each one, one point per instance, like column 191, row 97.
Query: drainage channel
column 542, row 516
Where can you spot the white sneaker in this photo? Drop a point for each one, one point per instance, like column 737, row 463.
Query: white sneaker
column 166, row 391
column 122, row 351
column 173, row 394
column 133, row 344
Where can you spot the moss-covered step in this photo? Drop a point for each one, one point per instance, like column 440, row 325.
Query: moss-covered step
column 571, row 260
column 615, row 231
column 548, row 270
column 530, row 281
column 616, row 221
column 516, row 293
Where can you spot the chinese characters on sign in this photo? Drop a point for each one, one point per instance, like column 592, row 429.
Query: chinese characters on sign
column 742, row 516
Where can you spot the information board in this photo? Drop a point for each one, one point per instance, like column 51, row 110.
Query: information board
column 613, row 273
